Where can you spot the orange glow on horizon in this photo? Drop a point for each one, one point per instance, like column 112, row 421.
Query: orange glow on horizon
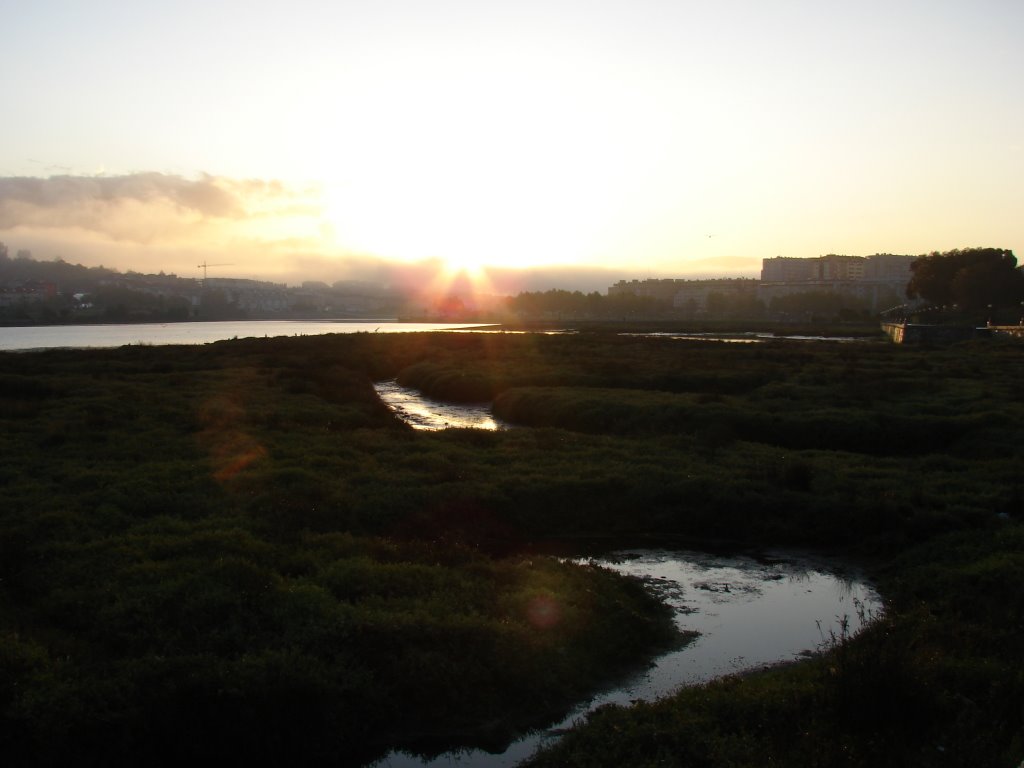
column 457, row 286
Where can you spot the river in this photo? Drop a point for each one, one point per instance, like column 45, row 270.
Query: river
column 749, row 611
column 746, row 337
column 84, row 336
column 421, row 412
column 117, row 335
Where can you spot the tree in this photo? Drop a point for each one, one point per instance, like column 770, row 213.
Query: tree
column 973, row 279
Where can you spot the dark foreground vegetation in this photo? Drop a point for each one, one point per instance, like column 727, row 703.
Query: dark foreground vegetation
column 235, row 551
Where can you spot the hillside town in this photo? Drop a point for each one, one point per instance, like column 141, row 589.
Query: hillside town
column 55, row 291
column 832, row 287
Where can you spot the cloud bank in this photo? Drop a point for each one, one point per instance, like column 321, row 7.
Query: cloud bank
column 264, row 229
column 142, row 208
column 155, row 221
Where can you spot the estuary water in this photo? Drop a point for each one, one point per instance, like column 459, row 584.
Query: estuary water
column 85, row 336
column 421, row 412
column 746, row 337
column 750, row 612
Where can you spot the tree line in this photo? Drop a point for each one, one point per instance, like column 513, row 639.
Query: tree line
column 979, row 283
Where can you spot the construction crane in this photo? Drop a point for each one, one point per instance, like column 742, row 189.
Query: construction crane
column 204, row 266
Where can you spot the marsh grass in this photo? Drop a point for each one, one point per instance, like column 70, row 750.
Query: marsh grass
column 196, row 542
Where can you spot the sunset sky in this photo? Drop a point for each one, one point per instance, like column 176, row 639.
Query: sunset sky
column 598, row 140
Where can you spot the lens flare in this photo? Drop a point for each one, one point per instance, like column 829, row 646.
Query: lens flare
column 230, row 446
column 543, row 612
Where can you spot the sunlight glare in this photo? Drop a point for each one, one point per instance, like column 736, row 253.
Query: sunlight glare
column 501, row 167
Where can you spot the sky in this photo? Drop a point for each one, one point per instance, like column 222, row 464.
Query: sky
column 552, row 143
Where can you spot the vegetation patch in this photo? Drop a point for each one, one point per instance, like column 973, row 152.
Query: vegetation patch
column 241, row 543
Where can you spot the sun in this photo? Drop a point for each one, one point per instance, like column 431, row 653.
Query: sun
column 485, row 182
column 469, row 224
column 470, row 271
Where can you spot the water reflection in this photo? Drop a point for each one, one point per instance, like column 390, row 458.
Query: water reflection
column 421, row 412
column 748, row 337
column 749, row 612
column 117, row 335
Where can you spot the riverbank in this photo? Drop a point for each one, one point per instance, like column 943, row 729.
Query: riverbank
column 933, row 682
column 238, row 541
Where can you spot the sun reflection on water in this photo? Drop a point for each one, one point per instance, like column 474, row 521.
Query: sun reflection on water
column 421, row 412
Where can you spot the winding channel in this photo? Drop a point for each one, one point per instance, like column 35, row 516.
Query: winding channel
column 421, row 412
column 749, row 611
